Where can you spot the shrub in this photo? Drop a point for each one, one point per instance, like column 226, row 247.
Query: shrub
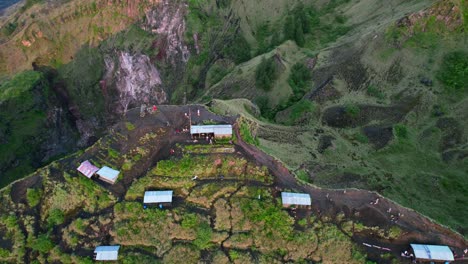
column 33, row 196
column 352, row 110
column 204, row 234
column 375, row 92
column 239, row 50
column 56, row 217
column 265, row 74
column 190, row 221
column 453, row 72
column 113, row 153
column 299, row 79
column 129, row 126
column 42, row 244
column 4, row 253
column 401, row 131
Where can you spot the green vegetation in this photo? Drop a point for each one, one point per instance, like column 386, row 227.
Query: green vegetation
column 352, row 110
column 56, row 217
column 266, row 74
column 373, row 91
column 30, row 3
column 42, row 244
column 132, row 40
column 33, row 196
column 82, row 77
column 401, row 132
column 303, row 176
column 299, row 80
column 22, row 130
column 129, row 126
column 246, row 135
column 238, row 50
column 299, row 109
column 360, row 137
column 9, row 28
column 453, row 72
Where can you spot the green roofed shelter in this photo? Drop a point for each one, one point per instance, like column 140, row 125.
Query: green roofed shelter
column 432, row 253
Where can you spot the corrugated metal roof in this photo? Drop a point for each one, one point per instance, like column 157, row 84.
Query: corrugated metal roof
column 108, row 173
column 216, row 129
column 87, row 169
column 296, row 198
column 107, row 252
column 432, row 252
column 158, row 197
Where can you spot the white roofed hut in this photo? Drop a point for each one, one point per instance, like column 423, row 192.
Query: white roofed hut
column 216, row 131
column 158, row 197
column 87, row 169
column 432, row 253
column 295, row 199
column 108, row 175
column 104, row 253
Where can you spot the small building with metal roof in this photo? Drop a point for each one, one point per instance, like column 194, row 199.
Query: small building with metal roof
column 218, row 131
column 289, row 198
column 106, row 253
column 108, row 174
column 87, row 169
column 157, row 197
column 432, row 253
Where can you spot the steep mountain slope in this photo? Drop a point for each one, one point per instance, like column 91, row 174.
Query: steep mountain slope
column 346, row 93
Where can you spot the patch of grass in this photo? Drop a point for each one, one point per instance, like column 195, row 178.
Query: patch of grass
column 113, row 153
column 453, row 72
column 204, row 234
column 129, row 126
column 247, row 135
column 299, row 109
column 360, row 137
column 303, row 176
column 373, row 91
column 33, row 196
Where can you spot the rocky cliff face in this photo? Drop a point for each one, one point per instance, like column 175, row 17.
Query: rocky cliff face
column 135, row 78
column 167, row 21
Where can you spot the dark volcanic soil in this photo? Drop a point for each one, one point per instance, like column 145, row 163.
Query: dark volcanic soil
column 360, row 205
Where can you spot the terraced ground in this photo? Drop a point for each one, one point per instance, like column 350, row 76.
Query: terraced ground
column 231, row 213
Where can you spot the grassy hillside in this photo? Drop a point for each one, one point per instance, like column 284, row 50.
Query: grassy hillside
column 50, row 33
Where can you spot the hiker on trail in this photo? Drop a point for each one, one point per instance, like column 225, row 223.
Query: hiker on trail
column 155, row 108
column 198, row 112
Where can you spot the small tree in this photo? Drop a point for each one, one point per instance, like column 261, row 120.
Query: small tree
column 265, row 74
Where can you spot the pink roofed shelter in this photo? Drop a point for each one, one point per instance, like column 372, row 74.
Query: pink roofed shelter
column 87, row 169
